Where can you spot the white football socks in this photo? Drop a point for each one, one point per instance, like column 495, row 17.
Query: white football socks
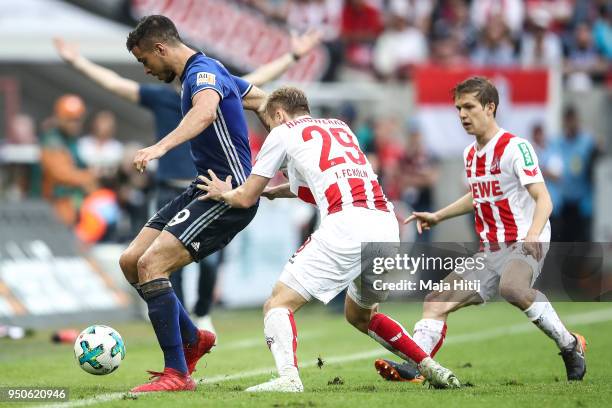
column 543, row 315
column 429, row 334
column 281, row 336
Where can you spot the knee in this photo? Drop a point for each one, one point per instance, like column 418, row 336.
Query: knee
column 146, row 269
column 516, row 295
column 266, row 307
column 128, row 263
column 269, row 304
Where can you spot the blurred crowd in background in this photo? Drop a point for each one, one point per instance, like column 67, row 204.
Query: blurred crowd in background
column 86, row 172
column 386, row 38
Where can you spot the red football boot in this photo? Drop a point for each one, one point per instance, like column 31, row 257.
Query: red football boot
column 193, row 353
column 169, row 380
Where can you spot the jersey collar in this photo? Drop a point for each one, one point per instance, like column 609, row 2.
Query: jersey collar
column 490, row 143
column 189, row 61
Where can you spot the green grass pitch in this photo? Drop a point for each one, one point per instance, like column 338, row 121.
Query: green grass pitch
column 502, row 359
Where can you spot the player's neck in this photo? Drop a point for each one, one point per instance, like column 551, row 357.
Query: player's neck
column 181, row 55
column 484, row 138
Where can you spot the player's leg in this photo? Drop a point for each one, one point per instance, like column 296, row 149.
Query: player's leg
column 516, row 287
column 430, row 332
column 165, row 194
column 172, row 214
column 281, row 336
column 364, row 316
column 165, row 255
column 206, row 287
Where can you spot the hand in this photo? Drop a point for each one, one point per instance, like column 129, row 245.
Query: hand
column 68, row 52
column 213, row 186
column 144, row 156
column 303, row 44
column 532, row 246
column 425, row 220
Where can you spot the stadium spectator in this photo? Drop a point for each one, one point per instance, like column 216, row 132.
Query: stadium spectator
column 399, row 47
column 418, row 174
column 511, row 13
column 560, row 11
column 584, row 64
column 100, row 150
column 389, row 151
column 578, row 151
column 602, row 31
column 22, row 130
column 494, row 47
column 446, row 52
column 65, row 176
column 454, row 22
column 361, row 24
column 540, row 47
column 419, row 12
column 323, row 16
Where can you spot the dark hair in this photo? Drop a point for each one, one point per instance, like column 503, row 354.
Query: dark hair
column 483, row 88
column 152, row 29
column 292, row 100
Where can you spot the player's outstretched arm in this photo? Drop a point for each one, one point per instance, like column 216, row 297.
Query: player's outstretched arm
column 426, row 220
column 199, row 117
column 243, row 196
column 300, row 46
column 107, row 79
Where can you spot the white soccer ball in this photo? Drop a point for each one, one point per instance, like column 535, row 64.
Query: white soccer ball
column 99, row 350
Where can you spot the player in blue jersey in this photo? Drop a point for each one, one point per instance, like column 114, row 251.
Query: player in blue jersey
column 187, row 229
column 175, row 170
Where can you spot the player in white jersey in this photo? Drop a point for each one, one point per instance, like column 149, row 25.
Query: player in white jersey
column 325, row 166
column 511, row 207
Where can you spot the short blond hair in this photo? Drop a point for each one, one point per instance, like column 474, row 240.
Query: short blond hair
column 291, row 99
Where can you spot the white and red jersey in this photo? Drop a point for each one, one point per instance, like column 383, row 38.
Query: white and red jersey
column 498, row 174
column 325, row 165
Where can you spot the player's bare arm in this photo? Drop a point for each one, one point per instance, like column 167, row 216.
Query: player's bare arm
column 280, row 191
column 255, row 101
column 199, row 117
column 300, row 46
column 426, row 220
column 107, row 79
column 243, row 196
column 543, row 209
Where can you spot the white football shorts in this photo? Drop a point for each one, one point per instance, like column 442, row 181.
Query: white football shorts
column 495, row 262
column 330, row 260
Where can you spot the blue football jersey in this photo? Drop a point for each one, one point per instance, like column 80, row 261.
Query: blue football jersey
column 223, row 146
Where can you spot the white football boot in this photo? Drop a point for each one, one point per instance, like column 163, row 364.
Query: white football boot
column 438, row 376
column 280, row 384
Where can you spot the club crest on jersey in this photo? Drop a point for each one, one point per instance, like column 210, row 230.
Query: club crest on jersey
column 206, row 78
column 495, row 165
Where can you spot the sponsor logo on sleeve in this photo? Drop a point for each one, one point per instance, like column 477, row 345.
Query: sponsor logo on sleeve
column 205, row 78
column 531, row 173
column 526, row 152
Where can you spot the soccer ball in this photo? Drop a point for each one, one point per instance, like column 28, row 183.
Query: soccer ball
column 99, row 350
